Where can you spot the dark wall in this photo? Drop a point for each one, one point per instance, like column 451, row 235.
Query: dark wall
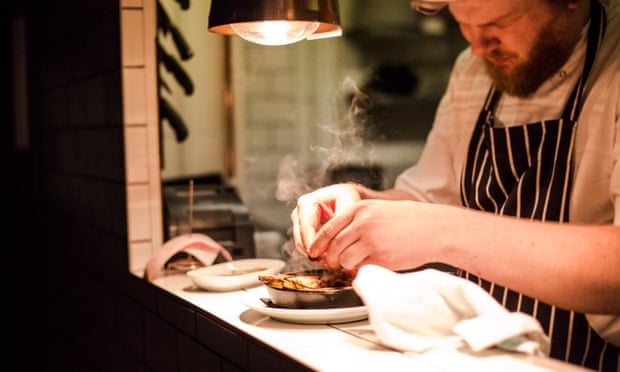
column 73, row 305
column 18, row 168
column 69, row 176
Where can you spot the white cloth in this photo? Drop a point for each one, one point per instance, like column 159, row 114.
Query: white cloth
column 201, row 246
column 427, row 309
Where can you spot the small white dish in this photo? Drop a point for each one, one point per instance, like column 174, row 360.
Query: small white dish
column 306, row 316
column 234, row 275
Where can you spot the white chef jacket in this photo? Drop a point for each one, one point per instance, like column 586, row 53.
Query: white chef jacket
column 596, row 175
column 595, row 196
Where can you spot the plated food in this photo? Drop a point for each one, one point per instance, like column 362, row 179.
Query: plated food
column 309, row 279
column 311, row 289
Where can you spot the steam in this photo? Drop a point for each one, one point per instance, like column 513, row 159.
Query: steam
column 351, row 137
column 351, row 146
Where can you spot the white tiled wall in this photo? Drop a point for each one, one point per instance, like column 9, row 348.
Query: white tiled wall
column 285, row 105
column 288, row 100
column 141, row 127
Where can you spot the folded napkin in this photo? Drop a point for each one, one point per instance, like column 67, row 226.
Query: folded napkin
column 201, row 246
column 427, row 309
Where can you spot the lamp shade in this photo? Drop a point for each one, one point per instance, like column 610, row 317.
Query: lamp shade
column 294, row 20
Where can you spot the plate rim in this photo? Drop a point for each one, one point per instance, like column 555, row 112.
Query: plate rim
column 221, row 264
column 307, row 316
column 235, row 281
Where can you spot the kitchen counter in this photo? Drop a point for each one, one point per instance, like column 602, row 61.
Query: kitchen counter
column 346, row 346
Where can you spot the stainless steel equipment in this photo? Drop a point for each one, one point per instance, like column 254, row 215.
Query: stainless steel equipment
column 217, row 211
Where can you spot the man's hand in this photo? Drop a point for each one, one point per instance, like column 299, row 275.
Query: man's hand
column 315, row 209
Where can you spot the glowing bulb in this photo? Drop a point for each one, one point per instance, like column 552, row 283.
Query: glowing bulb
column 275, row 32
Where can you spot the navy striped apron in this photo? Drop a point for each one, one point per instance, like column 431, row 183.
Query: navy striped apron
column 525, row 171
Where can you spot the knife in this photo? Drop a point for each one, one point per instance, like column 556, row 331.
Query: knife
column 166, row 111
column 166, row 25
column 173, row 66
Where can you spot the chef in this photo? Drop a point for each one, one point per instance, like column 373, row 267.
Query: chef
column 518, row 186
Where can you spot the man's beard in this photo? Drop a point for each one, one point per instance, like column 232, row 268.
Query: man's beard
column 550, row 52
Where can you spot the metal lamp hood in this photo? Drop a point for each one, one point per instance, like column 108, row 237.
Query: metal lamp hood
column 275, row 22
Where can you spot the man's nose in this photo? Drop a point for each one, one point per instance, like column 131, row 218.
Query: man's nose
column 480, row 40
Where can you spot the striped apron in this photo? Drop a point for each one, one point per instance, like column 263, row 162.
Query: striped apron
column 525, row 171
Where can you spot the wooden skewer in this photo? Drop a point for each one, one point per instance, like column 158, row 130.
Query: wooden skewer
column 191, row 205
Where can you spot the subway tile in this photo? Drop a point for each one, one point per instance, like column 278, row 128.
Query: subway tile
column 261, row 60
column 134, row 96
column 114, row 256
column 131, row 3
column 270, row 111
column 95, row 96
column 139, row 255
column 77, row 95
column 55, row 107
column 132, row 36
column 97, row 351
column 100, row 153
column 143, row 292
column 181, row 316
column 62, row 150
column 223, row 341
column 137, row 154
column 194, row 357
column 106, row 45
column 97, row 302
column 113, row 97
column 138, row 212
column 160, row 346
column 105, row 205
column 94, row 241
column 94, row 198
column 229, row 367
column 262, row 359
column 130, row 323
column 96, row 46
column 117, row 206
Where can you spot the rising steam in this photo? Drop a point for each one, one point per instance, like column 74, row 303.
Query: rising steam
column 351, row 146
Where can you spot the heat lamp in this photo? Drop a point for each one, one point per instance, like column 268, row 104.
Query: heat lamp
column 275, row 22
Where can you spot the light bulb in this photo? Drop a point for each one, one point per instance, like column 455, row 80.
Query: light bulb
column 275, row 32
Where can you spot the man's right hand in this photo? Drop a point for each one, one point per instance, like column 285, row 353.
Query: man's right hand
column 316, row 208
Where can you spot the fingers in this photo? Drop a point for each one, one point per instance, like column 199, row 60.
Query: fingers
column 316, row 209
column 307, row 218
column 297, row 232
column 336, row 235
column 345, row 255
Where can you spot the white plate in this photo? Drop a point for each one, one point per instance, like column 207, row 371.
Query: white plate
column 306, row 316
column 234, row 275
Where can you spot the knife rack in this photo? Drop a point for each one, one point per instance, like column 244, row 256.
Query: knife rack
column 172, row 61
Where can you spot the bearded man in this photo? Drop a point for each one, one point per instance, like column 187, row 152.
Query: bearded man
column 518, row 186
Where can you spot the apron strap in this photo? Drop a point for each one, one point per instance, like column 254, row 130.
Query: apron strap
column 598, row 24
